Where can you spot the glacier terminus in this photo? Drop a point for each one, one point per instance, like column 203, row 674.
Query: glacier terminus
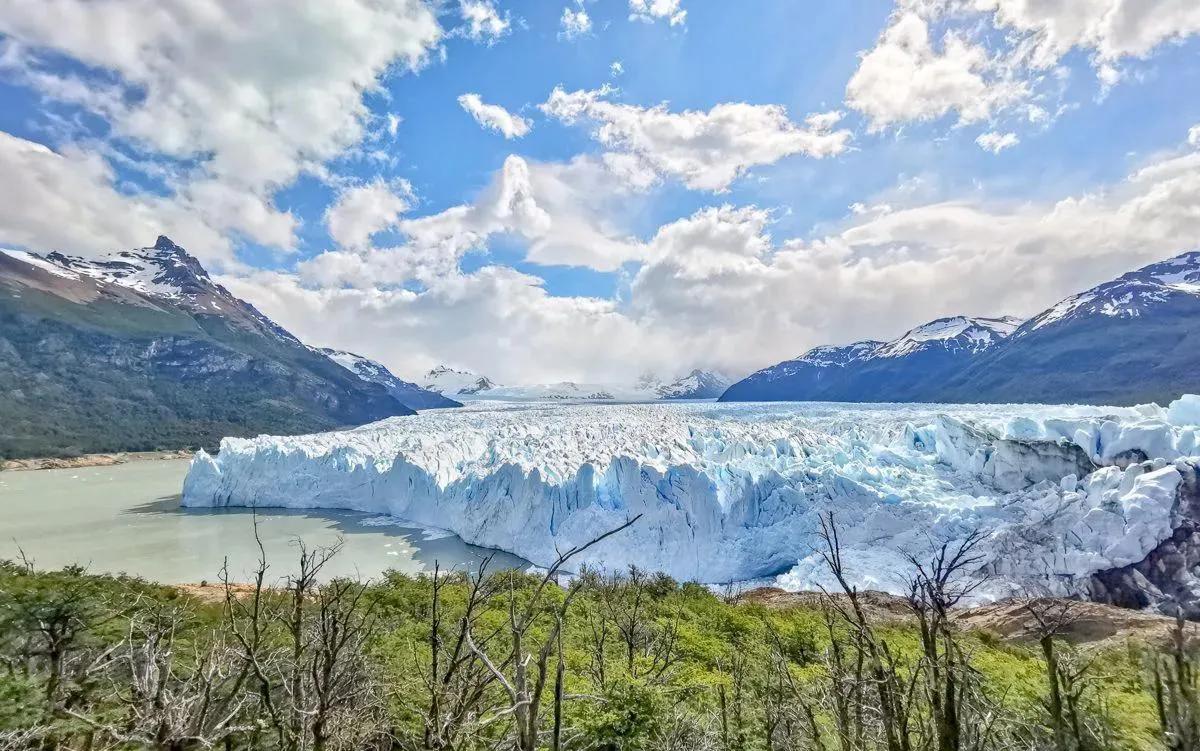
column 733, row 492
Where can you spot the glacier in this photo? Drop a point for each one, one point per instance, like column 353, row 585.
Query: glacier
column 732, row 492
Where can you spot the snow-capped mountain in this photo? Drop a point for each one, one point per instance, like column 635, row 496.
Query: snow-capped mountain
column 463, row 383
column 954, row 334
column 1130, row 340
column 164, row 273
column 1130, row 295
column 447, row 380
column 143, row 350
column 908, row 368
column 699, row 384
column 409, row 394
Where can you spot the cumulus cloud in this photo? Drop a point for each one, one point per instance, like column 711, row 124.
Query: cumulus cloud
column 494, row 117
column 906, row 77
column 562, row 212
column 913, row 73
column 496, row 320
column 997, row 142
column 1110, row 29
column 66, row 201
column 617, row 68
column 364, row 210
column 210, row 89
column 650, row 11
column 716, row 289
column 705, row 150
column 483, row 22
column 575, row 22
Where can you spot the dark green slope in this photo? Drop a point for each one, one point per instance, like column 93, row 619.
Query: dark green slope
column 1150, row 353
column 91, row 366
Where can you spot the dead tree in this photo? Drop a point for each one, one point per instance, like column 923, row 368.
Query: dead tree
column 170, row 701
column 301, row 651
column 1177, row 691
column 455, row 680
column 627, row 602
column 1066, row 678
column 937, row 587
column 525, row 679
column 871, row 657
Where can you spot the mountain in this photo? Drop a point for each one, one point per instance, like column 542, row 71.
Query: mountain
column 699, row 384
column 912, row 368
column 447, row 380
column 143, row 350
column 568, row 391
column 409, row 394
column 1131, row 340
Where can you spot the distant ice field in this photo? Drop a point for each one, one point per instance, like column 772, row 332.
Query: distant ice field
column 730, row 492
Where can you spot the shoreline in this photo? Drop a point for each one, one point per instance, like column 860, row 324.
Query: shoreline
column 91, row 460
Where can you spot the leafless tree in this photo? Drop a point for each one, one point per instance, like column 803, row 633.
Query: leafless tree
column 524, row 670
column 1177, row 690
column 454, row 679
column 171, row 701
column 870, row 656
column 938, row 586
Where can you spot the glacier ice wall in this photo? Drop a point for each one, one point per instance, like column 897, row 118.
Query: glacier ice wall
column 732, row 491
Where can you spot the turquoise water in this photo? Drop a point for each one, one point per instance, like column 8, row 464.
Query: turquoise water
column 126, row 518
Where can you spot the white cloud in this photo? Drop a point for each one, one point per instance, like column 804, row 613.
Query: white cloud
column 214, row 86
column 616, row 69
column 563, row 212
column 905, row 77
column 483, row 22
column 494, row 117
column 496, row 320
column 363, row 210
column 1110, row 29
column 997, row 142
column 716, row 289
column 575, row 22
column 52, row 201
column 706, row 150
column 977, row 74
column 1194, row 136
column 650, row 11
column 393, row 124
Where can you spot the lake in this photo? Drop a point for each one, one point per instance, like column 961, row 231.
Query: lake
column 127, row 518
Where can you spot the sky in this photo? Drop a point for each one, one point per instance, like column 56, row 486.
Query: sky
column 590, row 190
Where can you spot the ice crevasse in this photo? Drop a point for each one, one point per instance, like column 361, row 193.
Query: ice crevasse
column 731, row 492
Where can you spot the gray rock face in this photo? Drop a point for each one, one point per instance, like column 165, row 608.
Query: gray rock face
column 1169, row 577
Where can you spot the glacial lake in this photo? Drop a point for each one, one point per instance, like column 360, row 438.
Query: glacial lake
column 126, row 518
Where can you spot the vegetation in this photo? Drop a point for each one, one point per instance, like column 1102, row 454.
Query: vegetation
column 107, row 376
column 510, row 660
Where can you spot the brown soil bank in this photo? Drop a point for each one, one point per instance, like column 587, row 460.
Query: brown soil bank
column 1012, row 619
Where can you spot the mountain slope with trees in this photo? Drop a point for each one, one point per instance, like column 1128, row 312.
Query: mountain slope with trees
column 144, row 351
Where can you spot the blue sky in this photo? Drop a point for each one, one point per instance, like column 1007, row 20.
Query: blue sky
column 689, row 184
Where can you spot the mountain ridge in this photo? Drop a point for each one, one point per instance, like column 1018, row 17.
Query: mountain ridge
column 142, row 350
column 409, row 394
column 1129, row 340
column 903, row 369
